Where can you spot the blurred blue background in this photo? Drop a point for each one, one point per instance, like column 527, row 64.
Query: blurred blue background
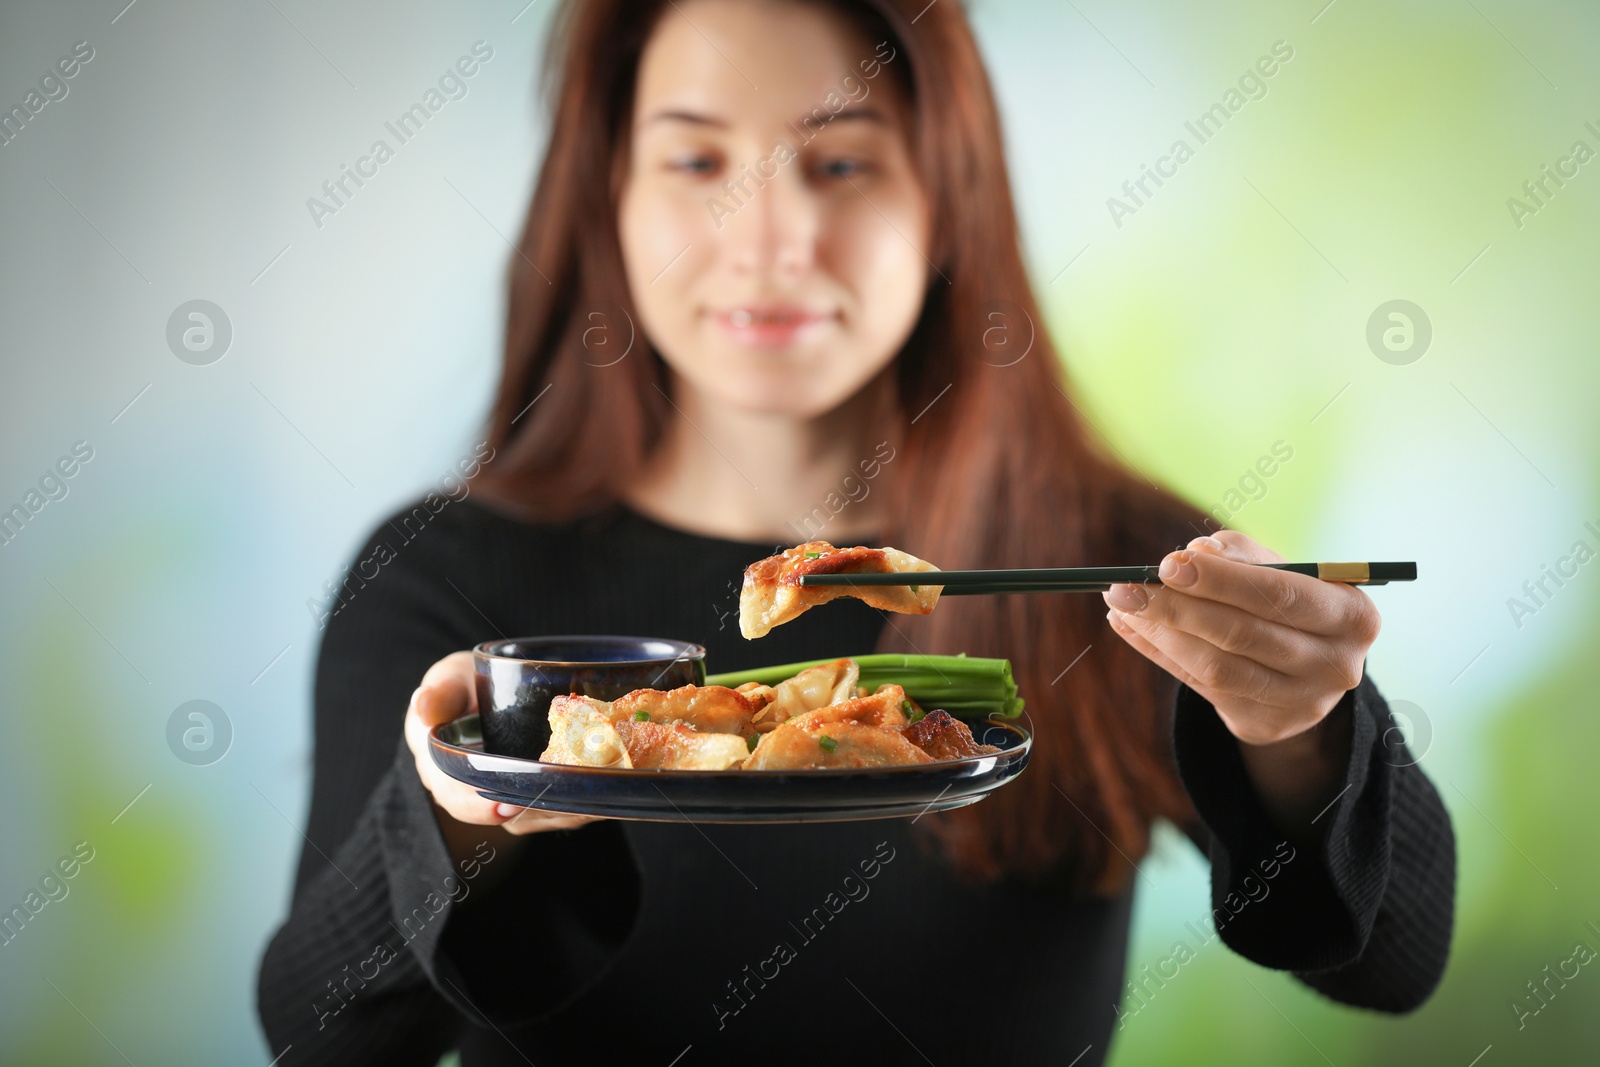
column 1204, row 324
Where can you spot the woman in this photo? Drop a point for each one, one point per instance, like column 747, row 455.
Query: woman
column 769, row 289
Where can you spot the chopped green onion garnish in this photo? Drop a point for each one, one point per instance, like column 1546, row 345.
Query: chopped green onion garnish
column 827, row 742
column 813, row 555
column 905, row 706
column 641, row 716
column 752, row 741
column 914, row 589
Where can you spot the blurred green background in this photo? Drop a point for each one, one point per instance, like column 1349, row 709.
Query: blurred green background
column 1227, row 312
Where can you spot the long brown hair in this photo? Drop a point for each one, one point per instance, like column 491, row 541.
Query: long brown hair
column 996, row 467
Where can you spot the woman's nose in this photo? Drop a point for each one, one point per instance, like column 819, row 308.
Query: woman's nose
column 774, row 230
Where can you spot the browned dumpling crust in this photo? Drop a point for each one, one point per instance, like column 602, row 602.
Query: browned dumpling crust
column 679, row 746
column 693, row 729
column 709, row 708
column 945, row 737
column 847, row 743
column 884, row 708
column 772, row 594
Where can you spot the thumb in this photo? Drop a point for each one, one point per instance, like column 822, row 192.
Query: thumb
column 442, row 701
column 448, row 690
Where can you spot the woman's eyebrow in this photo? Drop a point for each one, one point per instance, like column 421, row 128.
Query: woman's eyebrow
column 817, row 117
column 694, row 118
column 857, row 114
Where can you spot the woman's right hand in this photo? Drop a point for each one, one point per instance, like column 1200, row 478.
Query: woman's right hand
column 448, row 692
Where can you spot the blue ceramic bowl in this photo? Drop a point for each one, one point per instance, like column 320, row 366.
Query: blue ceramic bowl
column 517, row 678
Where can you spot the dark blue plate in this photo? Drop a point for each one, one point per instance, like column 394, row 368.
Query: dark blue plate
column 732, row 796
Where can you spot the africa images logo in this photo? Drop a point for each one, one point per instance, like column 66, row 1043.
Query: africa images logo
column 452, row 85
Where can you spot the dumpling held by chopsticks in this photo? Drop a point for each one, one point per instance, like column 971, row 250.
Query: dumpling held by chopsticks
column 772, row 593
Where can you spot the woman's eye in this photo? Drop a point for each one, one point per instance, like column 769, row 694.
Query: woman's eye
column 699, row 166
column 841, row 168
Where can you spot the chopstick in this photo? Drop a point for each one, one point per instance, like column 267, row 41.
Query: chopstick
column 1095, row 579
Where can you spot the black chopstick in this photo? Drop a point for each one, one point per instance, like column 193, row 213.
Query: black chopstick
column 1095, row 579
column 999, row 588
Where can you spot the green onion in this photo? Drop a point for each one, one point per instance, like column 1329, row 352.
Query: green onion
column 752, row 741
column 641, row 716
column 914, row 589
column 827, row 742
column 965, row 686
column 813, row 555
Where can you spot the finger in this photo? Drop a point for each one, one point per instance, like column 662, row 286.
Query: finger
column 532, row 821
column 415, row 729
column 1268, row 643
column 455, row 665
column 463, row 803
column 460, row 800
column 1297, row 600
column 1363, row 620
column 447, row 691
column 1236, row 546
column 425, row 711
column 1224, row 672
column 442, row 702
column 457, row 799
column 1149, row 651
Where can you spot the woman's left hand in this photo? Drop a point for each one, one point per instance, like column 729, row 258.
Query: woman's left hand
column 1272, row 651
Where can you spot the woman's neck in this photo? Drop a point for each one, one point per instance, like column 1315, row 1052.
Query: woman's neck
column 760, row 477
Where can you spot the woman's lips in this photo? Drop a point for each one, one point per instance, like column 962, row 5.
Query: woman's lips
column 771, row 325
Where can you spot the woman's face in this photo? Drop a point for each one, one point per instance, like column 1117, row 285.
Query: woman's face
column 772, row 223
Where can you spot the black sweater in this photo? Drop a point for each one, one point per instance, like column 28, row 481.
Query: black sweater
column 640, row 942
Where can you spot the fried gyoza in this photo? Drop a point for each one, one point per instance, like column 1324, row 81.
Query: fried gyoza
column 678, row 746
column 582, row 735
column 945, row 737
column 860, row 732
column 810, row 721
column 708, row 708
column 813, row 688
column 772, row 594
column 847, row 743
column 689, row 728
column 883, row 708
